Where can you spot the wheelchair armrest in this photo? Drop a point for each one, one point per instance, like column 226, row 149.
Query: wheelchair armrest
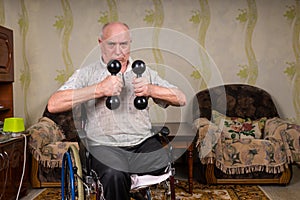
column 163, row 130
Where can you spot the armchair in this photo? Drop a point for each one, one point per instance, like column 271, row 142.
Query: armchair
column 49, row 139
column 241, row 138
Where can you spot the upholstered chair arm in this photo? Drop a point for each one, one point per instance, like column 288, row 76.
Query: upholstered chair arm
column 288, row 132
column 208, row 135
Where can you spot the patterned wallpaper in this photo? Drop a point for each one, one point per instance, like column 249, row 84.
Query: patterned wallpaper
column 195, row 44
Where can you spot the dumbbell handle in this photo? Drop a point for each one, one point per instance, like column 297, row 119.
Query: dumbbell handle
column 139, row 67
column 114, row 67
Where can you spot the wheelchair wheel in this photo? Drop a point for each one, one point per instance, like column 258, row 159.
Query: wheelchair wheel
column 71, row 183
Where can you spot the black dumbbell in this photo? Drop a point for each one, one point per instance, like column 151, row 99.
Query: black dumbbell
column 113, row 66
column 138, row 67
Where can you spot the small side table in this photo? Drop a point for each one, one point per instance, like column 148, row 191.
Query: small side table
column 11, row 160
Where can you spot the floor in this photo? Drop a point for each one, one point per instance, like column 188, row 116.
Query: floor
column 32, row 193
column 290, row 192
column 181, row 172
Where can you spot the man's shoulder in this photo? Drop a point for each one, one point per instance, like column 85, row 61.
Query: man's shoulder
column 92, row 69
column 97, row 65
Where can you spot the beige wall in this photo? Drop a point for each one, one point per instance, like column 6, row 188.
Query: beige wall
column 254, row 34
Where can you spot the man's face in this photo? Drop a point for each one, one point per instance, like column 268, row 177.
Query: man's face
column 115, row 44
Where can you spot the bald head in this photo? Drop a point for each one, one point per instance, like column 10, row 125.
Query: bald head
column 113, row 28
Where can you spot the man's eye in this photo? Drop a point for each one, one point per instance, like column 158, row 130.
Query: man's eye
column 111, row 44
column 124, row 44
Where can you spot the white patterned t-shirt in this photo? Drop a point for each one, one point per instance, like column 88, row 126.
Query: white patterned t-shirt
column 124, row 126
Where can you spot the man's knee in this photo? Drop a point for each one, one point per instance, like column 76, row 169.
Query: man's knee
column 116, row 184
column 113, row 175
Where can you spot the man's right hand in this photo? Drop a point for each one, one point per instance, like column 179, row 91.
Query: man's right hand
column 110, row 86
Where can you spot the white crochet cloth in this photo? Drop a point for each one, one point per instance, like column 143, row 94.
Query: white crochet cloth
column 138, row 182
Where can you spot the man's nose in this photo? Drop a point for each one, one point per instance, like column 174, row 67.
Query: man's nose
column 118, row 49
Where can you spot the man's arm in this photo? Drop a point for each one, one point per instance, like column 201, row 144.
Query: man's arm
column 172, row 96
column 64, row 100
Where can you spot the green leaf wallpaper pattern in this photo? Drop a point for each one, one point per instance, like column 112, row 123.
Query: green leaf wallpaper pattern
column 296, row 48
column 155, row 17
column 25, row 77
column 290, row 71
column 292, row 14
column 201, row 18
column 64, row 24
column 249, row 73
column 243, row 16
column 110, row 15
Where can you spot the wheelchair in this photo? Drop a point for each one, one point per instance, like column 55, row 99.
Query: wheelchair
column 80, row 182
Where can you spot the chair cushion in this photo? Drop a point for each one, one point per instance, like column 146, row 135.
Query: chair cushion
column 236, row 127
column 251, row 155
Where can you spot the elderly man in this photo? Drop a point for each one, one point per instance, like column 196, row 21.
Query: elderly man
column 121, row 141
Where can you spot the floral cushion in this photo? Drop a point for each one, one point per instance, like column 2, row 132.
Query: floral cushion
column 237, row 128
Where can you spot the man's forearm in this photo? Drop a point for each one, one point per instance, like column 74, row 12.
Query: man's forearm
column 171, row 95
column 65, row 100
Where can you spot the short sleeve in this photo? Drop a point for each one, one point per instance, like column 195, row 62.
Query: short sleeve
column 72, row 82
column 85, row 76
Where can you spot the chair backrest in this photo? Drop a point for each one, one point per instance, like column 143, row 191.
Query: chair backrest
column 234, row 100
column 70, row 121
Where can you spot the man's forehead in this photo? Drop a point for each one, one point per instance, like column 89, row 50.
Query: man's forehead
column 117, row 36
column 115, row 30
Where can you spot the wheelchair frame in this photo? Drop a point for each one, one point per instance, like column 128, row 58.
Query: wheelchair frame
column 80, row 186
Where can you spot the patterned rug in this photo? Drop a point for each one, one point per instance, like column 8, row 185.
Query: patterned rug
column 200, row 191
